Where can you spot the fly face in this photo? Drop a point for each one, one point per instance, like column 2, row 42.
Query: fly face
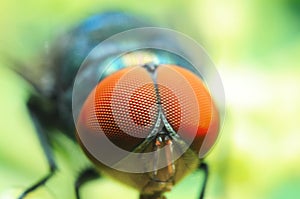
column 145, row 123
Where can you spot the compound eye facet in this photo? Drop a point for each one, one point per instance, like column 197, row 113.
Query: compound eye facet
column 123, row 107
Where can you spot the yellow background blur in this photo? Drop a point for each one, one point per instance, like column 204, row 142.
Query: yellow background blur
column 255, row 45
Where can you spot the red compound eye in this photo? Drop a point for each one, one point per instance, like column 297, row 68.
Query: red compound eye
column 188, row 107
column 125, row 107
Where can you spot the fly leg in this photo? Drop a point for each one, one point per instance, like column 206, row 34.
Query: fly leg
column 203, row 167
column 153, row 196
column 85, row 176
column 41, row 134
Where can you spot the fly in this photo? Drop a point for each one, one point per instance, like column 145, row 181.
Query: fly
column 132, row 97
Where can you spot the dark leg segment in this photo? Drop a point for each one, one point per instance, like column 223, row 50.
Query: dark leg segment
column 153, row 196
column 85, row 176
column 47, row 151
column 203, row 167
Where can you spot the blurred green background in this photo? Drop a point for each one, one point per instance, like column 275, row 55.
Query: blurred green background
column 256, row 48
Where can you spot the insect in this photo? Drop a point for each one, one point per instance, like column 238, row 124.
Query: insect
column 139, row 109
